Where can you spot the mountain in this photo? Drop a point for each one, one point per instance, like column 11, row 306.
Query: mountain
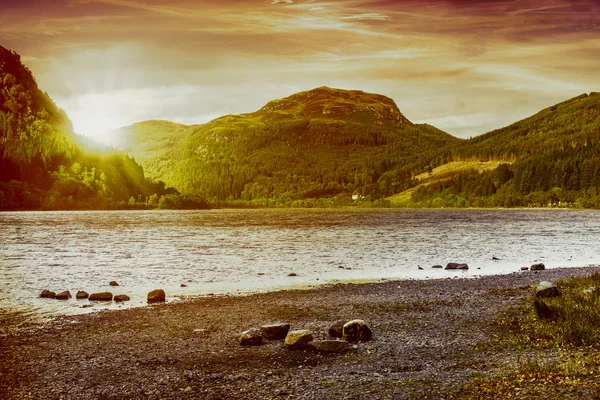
column 45, row 165
column 550, row 158
column 322, row 143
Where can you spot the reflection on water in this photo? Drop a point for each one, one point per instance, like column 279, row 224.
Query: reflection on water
column 247, row 250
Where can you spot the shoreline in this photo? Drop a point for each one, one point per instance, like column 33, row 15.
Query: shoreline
column 429, row 336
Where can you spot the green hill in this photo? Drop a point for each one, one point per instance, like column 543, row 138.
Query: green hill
column 323, row 143
column 553, row 158
column 44, row 165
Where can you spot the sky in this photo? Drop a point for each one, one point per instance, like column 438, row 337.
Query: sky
column 466, row 67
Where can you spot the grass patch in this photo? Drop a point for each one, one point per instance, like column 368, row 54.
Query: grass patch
column 562, row 344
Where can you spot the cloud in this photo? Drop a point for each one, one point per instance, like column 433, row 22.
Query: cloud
column 188, row 60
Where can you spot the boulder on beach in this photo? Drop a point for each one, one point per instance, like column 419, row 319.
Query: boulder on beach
column 47, row 294
column 82, row 294
column 437, row 266
column 546, row 289
column 121, row 297
column 356, row 331
column 298, row 339
column 329, row 346
column 524, row 268
column 113, row 283
column 101, row 296
column 251, row 337
column 456, row 266
column 276, row 331
column 337, row 328
column 156, row 296
column 66, row 295
column 538, row 267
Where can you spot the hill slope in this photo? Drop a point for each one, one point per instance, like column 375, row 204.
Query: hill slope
column 554, row 160
column 44, row 165
column 319, row 143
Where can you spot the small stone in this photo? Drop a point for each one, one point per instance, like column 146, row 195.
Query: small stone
column 298, row 339
column 113, row 283
column 337, row 328
column 102, row 296
column 66, row 295
column 82, row 295
column 524, row 268
column 47, row 294
column 437, row 266
column 292, row 274
column 546, row 289
column 329, row 346
column 156, row 296
column 188, row 389
column 456, row 266
column 275, row 331
column 251, row 337
column 356, row 331
column 183, row 285
column 538, row 267
column 121, row 297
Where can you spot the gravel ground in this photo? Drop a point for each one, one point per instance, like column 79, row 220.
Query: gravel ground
column 429, row 338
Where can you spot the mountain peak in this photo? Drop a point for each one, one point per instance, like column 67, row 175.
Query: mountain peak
column 340, row 104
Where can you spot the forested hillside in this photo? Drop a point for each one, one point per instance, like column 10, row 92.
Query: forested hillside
column 44, row 165
column 552, row 159
column 313, row 148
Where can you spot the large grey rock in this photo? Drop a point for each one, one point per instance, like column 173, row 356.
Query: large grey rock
column 156, row 296
column 82, row 294
column 538, row 267
column 101, row 296
column 298, row 339
column 337, row 328
column 275, row 331
column 356, row 331
column 251, row 337
column 66, row 295
column 546, row 289
column 456, row 266
column 329, row 346
column 121, row 297
column 47, row 294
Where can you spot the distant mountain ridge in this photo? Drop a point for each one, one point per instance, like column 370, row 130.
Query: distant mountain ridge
column 320, row 143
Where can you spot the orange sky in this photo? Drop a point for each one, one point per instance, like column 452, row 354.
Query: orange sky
column 464, row 66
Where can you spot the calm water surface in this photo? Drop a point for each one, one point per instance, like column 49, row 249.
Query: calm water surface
column 228, row 251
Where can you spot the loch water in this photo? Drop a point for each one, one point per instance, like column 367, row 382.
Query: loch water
column 240, row 251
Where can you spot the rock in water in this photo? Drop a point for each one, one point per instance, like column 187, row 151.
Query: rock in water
column 113, row 283
column 82, row 295
column 546, row 289
column 102, row 296
column 47, row 294
column 156, row 296
column 275, row 331
column 292, row 274
column 356, row 331
column 298, row 339
column 121, row 297
column 538, row 267
column 337, row 328
column 456, row 266
column 437, row 266
column 524, row 268
column 66, row 295
column 251, row 337
column 183, row 285
column 329, row 346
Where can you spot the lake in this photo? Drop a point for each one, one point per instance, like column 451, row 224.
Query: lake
column 236, row 251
